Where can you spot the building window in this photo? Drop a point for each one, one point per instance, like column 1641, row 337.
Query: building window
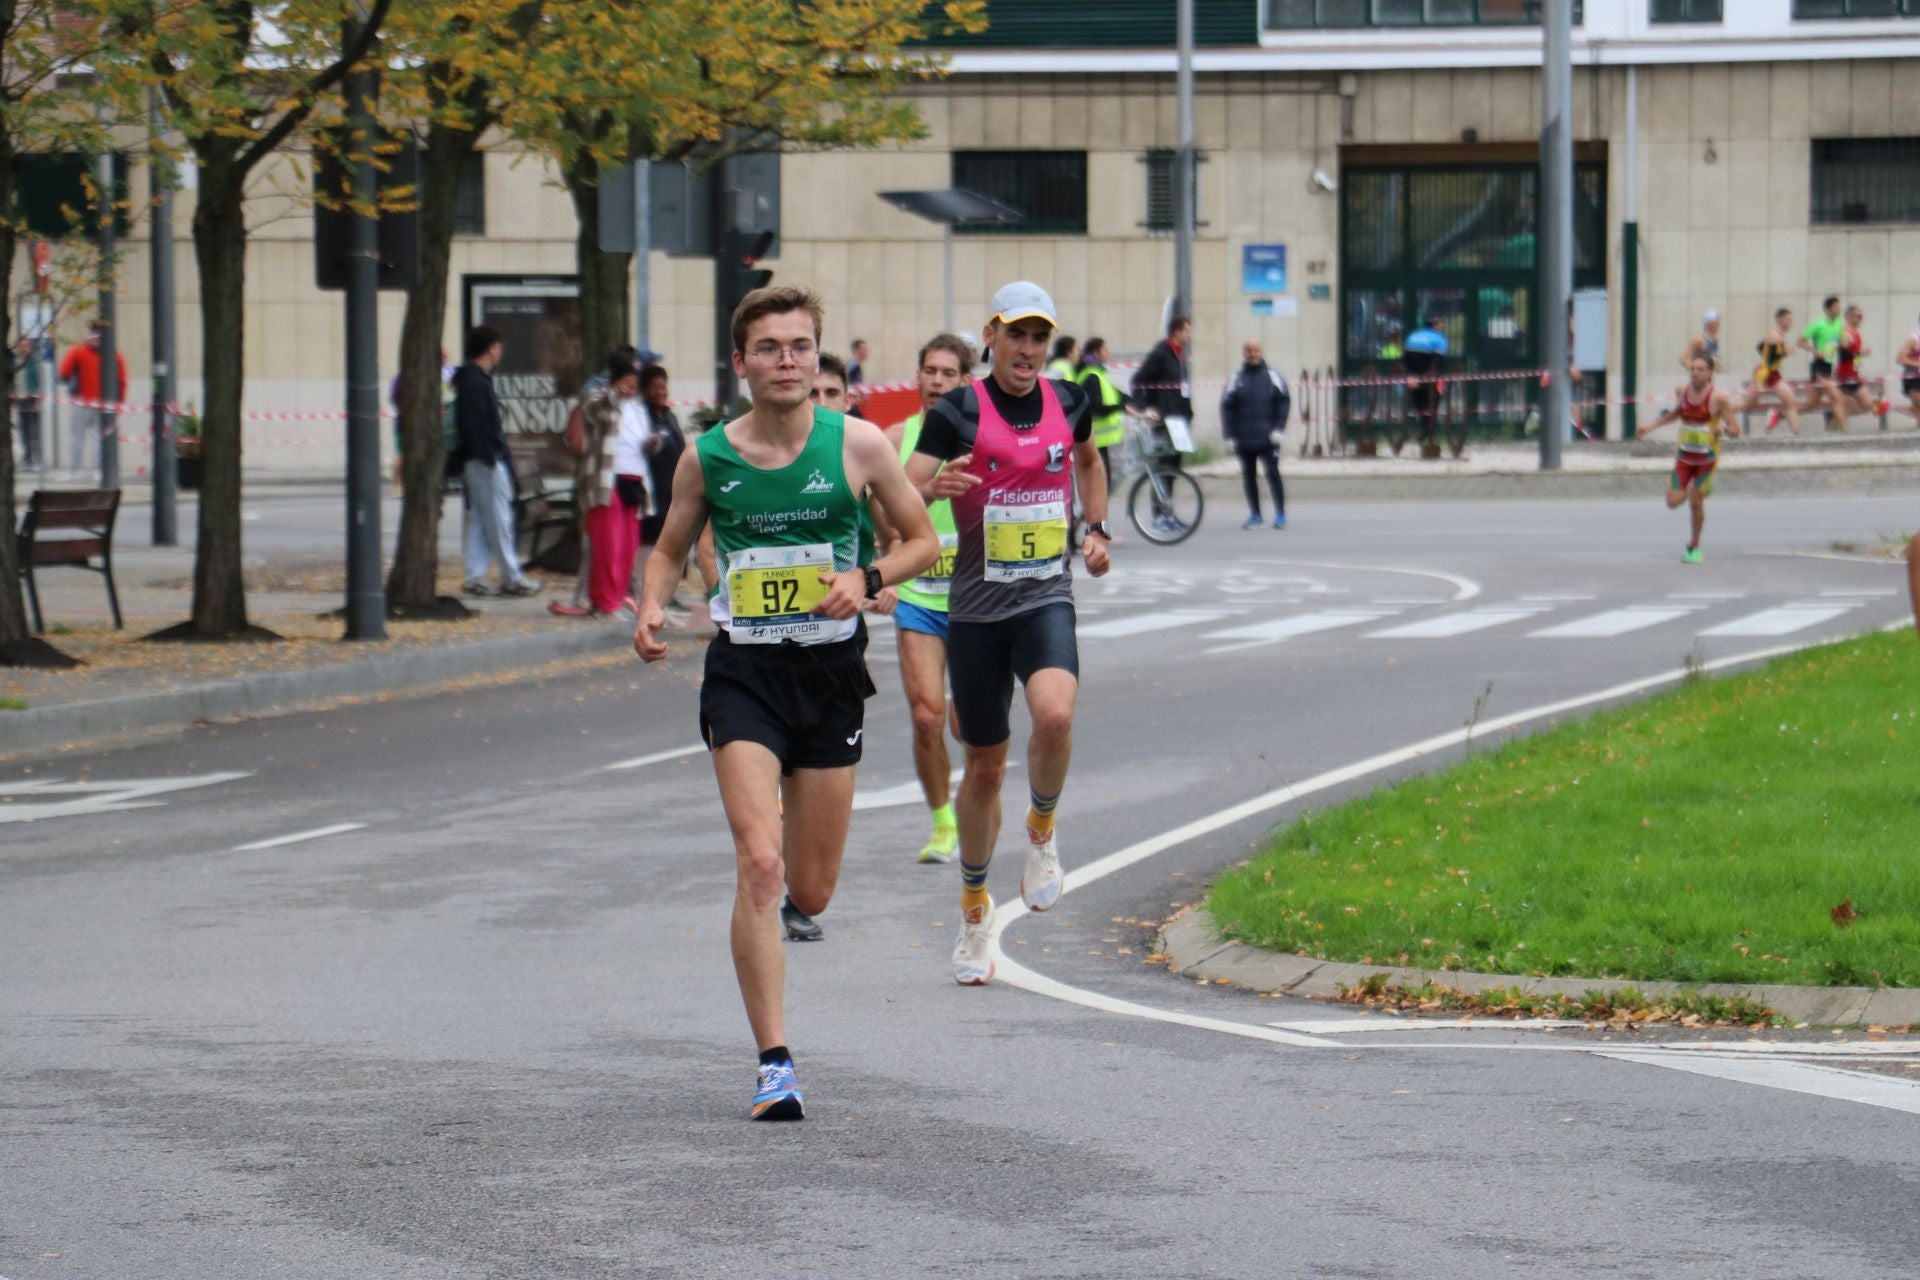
column 1159, row 162
column 1049, row 188
column 1294, row 14
column 1685, row 11
column 470, row 200
column 1859, row 180
column 1856, row 8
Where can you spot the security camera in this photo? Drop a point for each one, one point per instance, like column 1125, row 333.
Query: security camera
column 1324, row 181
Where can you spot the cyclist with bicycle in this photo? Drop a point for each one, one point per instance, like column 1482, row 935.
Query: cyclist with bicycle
column 1015, row 446
column 1160, row 391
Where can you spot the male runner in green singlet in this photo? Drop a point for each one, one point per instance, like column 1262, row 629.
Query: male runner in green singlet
column 920, row 618
column 783, row 703
column 1821, row 340
column 1016, row 448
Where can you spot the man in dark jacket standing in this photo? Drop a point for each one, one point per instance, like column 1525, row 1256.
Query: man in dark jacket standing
column 1256, row 406
column 486, row 470
column 1160, row 388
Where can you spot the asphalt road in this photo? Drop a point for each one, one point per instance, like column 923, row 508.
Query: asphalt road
column 487, row 1027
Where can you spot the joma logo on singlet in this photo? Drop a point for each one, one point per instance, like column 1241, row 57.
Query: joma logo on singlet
column 817, row 483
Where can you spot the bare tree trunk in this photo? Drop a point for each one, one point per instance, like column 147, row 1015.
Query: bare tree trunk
column 220, row 250
column 416, row 557
column 603, row 276
column 18, row 646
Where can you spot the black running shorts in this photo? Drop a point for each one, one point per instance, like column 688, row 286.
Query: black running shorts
column 1818, row 369
column 805, row 703
column 983, row 658
column 1910, row 386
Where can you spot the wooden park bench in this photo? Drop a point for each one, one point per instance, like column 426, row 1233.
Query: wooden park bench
column 83, row 519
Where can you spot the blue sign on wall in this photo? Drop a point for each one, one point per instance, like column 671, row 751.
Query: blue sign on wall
column 1263, row 268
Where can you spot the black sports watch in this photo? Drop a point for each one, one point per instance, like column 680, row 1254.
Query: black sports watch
column 875, row 583
column 1100, row 527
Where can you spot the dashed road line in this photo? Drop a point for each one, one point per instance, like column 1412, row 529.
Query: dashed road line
column 641, row 762
column 298, row 837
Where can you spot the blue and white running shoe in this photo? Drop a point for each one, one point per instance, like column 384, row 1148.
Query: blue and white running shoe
column 778, row 1097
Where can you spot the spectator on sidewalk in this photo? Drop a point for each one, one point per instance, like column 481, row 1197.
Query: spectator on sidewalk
column 1161, row 385
column 80, row 374
column 609, row 525
column 1066, row 352
column 1253, row 410
column 669, row 442
column 29, row 392
column 1109, row 409
column 486, row 469
column 857, row 367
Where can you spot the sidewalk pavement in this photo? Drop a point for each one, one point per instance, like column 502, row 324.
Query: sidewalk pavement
column 128, row 686
column 1194, row 946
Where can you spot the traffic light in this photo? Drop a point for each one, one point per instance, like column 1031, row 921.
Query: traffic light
column 751, row 276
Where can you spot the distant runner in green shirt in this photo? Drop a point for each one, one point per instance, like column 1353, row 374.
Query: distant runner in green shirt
column 1822, row 339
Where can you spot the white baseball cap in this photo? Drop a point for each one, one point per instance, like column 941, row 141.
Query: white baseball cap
column 1710, row 317
column 1023, row 300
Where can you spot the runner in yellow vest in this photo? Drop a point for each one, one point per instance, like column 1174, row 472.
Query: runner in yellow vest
column 920, row 618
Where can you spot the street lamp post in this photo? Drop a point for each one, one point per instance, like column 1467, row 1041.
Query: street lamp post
column 366, row 610
column 1556, row 224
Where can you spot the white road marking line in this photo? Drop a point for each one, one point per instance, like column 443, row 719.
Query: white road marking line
column 1143, row 623
column 338, row 828
column 1864, row 593
column 888, row 797
column 1351, row 1026
column 1781, row 621
column 1557, row 599
column 1014, row 974
column 1707, row 595
column 1404, row 601
column 640, row 762
column 1616, row 622
column 1459, row 624
column 1463, row 588
column 1300, row 624
column 1890, row 1092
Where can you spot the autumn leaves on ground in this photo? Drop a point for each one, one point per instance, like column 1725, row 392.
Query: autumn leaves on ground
column 1752, row 829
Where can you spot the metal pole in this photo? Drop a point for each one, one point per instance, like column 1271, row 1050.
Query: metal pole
column 946, row 314
column 1183, row 216
column 109, row 358
column 160, row 268
column 1630, row 268
column 642, row 251
column 1556, row 224
column 366, row 595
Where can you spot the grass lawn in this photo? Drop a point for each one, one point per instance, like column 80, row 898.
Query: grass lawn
column 1710, row 834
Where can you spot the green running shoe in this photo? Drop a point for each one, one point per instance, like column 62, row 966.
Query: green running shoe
column 941, row 846
column 1691, row 556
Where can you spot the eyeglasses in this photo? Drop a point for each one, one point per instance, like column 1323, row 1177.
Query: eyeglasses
column 770, row 352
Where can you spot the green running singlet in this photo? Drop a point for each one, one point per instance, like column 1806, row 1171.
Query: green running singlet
column 774, row 532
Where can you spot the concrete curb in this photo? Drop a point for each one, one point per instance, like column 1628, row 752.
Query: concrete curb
column 1195, row 947
column 270, row 692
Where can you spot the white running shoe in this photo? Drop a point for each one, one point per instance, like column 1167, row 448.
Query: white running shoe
column 1040, row 886
column 972, row 964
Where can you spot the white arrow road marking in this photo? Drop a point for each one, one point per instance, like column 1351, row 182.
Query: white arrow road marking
column 1890, row 1092
column 34, row 801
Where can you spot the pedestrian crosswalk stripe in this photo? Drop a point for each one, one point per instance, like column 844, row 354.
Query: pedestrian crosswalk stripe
column 1617, row 622
column 1459, row 624
column 1300, row 624
column 1141, row 624
column 1783, row 620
